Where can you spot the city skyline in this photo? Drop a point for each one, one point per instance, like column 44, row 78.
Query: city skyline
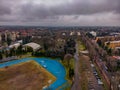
column 60, row 12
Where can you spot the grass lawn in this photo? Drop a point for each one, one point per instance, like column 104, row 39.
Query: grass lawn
column 83, row 67
column 71, row 64
column 24, row 76
column 81, row 46
column 25, row 55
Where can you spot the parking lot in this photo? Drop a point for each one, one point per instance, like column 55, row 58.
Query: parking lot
column 94, row 80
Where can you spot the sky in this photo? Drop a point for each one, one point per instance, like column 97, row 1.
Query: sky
column 60, row 12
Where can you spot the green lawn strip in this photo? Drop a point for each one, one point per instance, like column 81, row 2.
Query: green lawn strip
column 82, row 68
column 25, row 55
column 84, row 80
column 67, row 70
column 81, row 46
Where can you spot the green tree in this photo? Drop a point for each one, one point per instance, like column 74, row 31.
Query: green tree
column 110, row 51
column 13, row 51
column 67, row 59
column 1, row 56
column 45, row 45
column 99, row 42
column 9, row 41
column 71, row 72
column 19, row 50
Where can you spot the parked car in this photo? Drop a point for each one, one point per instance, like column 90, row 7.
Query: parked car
column 97, row 77
column 100, row 82
column 95, row 73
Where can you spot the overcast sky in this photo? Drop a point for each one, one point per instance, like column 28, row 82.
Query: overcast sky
column 60, row 12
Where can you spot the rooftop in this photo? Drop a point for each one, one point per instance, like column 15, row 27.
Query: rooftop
column 33, row 45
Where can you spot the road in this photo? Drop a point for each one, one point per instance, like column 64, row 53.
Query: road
column 91, row 77
column 76, row 85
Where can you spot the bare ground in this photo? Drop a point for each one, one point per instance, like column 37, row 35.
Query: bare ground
column 25, row 76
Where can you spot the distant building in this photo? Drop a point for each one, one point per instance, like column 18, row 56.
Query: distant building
column 72, row 33
column 63, row 34
column 16, row 45
column 13, row 36
column 20, row 41
column 93, row 33
column 112, row 44
column 78, row 33
column 33, row 45
column 106, row 38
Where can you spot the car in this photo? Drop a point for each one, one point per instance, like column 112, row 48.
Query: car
column 100, row 60
column 94, row 69
column 100, row 82
column 92, row 65
column 97, row 77
column 95, row 73
column 92, row 89
column 105, row 67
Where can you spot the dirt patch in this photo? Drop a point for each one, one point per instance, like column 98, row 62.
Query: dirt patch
column 25, row 76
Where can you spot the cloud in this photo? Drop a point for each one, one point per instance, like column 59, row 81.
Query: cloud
column 75, row 7
column 44, row 11
column 4, row 9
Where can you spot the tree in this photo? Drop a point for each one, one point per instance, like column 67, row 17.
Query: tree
column 13, row 51
column 26, row 39
column 109, row 51
column 9, row 41
column 45, row 45
column 19, row 50
column 99, row 42
column 71, row 72
column 6, row 53
column 69, row 46
column 67, row 59
column 1, row 55
column 29, row 49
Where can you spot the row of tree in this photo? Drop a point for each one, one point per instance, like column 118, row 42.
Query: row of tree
column 20, row 50
column 65, row 53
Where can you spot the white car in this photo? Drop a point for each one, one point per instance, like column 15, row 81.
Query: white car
column 100, row 82
column 92, row 65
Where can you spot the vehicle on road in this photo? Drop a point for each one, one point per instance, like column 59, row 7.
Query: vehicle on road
column 100, row 82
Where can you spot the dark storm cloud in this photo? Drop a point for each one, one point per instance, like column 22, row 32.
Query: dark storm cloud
column 4, row 9
column 75, row 8
column 16, row 10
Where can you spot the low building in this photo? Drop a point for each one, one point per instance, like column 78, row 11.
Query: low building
column 93, row 33
column 72, row 33
column 33, row 45
column 106, row 38
column 16, row 45
column 78, row 33
column 112, row 44
column 20, row 41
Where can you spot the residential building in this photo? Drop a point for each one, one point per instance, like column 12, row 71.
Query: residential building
column 112, row 44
